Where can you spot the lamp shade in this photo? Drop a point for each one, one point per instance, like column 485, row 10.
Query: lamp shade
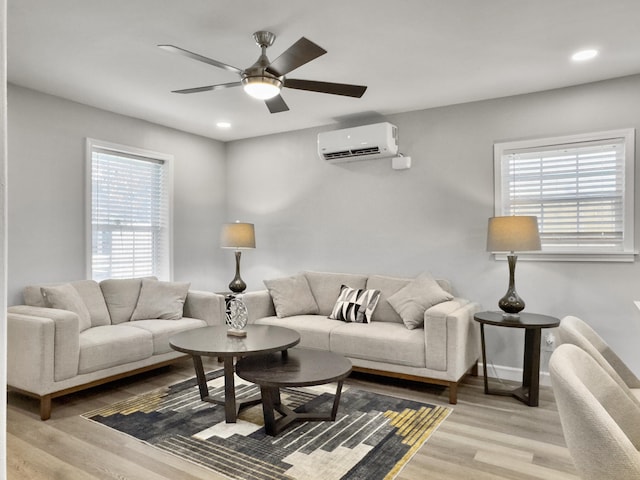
column 237, row 235
column 513, row 234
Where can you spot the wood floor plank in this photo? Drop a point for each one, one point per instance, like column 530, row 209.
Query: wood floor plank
column 484, row 438
column 514, row 440
column 441, row 469
column 484, row 445
column 134, row 450
column 26, row 461
column 528, row 468
column 81, row 455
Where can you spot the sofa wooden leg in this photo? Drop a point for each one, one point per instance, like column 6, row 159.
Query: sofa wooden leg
column 453, row 393
column 45, row 407
column 474, row 369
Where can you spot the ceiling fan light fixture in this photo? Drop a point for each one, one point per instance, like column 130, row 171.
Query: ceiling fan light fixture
column 262, row 87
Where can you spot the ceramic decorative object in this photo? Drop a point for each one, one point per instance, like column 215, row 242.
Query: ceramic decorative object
column 237, row 317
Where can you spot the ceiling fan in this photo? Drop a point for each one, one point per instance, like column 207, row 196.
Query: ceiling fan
column 264, row 79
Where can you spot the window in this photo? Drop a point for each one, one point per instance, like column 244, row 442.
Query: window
column 130, row 214
column 580, row 187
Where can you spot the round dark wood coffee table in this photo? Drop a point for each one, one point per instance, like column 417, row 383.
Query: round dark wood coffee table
column 300, row 368
column 214, row 342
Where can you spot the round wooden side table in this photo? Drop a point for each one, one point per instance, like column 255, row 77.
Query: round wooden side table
column 533, row 324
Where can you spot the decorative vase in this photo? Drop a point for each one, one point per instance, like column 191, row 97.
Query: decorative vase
column 237, row 317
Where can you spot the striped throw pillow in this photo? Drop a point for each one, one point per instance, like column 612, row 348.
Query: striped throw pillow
column 355, row 305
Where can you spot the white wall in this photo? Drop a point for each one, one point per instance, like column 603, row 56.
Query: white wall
column 47, row 189
column 365, row 217
column 358, row 217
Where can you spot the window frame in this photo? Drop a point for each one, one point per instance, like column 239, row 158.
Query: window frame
column 166, row 159
column 628, row 252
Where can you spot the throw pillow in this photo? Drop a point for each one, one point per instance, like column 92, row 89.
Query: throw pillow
column 292, row 296
column 92, row 297
column 355, row 305
column 65, row 297
column 121, row 296
column 416, row 297
column 162, row 300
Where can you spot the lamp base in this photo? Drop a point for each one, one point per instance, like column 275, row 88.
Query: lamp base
column 237, row 285
column 236, row 333
column 511, row 303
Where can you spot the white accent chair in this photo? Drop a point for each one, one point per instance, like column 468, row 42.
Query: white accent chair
column 577, row 332
column 600, row 421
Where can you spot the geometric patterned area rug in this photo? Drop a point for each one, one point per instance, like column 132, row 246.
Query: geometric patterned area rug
column 373, row 435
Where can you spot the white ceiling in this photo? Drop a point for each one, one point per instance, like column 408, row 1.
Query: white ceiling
column 412, row 54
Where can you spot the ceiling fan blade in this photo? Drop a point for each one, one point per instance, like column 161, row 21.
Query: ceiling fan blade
column 296, row 55
column 326, row 87
column 200, row 58
column 276, row 104
column 208, row 88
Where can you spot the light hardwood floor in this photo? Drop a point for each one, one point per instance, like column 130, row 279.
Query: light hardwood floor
column 485, row 438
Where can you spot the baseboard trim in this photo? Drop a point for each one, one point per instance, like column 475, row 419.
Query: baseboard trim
column 502, row 372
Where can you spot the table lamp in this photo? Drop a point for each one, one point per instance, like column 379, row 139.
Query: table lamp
column 511, row 234
column 237, row 236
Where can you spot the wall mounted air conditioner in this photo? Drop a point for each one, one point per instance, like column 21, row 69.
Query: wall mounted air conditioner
column 379, row 140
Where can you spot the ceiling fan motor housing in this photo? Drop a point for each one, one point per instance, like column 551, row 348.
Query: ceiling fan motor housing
column 256, row 80
column 264, row 39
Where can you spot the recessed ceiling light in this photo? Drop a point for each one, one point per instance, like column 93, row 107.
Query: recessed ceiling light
column 583, row 55
column 223, row 125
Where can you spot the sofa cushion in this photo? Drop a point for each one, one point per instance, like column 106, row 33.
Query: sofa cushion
column 292, row 296
column 89, row 291
column 163, row 300
column 387, row 286
column 111, row 345
column 314, row 330
column 380, row 342
column 355, row 305
column 121, row 297
column 325, row 287
column 161, row 330
column 412, row 300
column 66, row 297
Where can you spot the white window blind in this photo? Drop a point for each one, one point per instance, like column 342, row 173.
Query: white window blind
column 130, row 214
column 580, row 188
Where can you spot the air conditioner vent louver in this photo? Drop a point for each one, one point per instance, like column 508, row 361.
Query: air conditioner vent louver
column 379, row 140
column 351, row 153
column 366, row 151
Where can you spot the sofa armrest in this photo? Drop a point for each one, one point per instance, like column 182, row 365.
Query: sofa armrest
column 206, row 306
column 43, row 346
column 451, row 337
column 259, row 304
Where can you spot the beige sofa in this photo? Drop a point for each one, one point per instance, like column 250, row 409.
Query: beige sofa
column 98, row 332
column 439, row 347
